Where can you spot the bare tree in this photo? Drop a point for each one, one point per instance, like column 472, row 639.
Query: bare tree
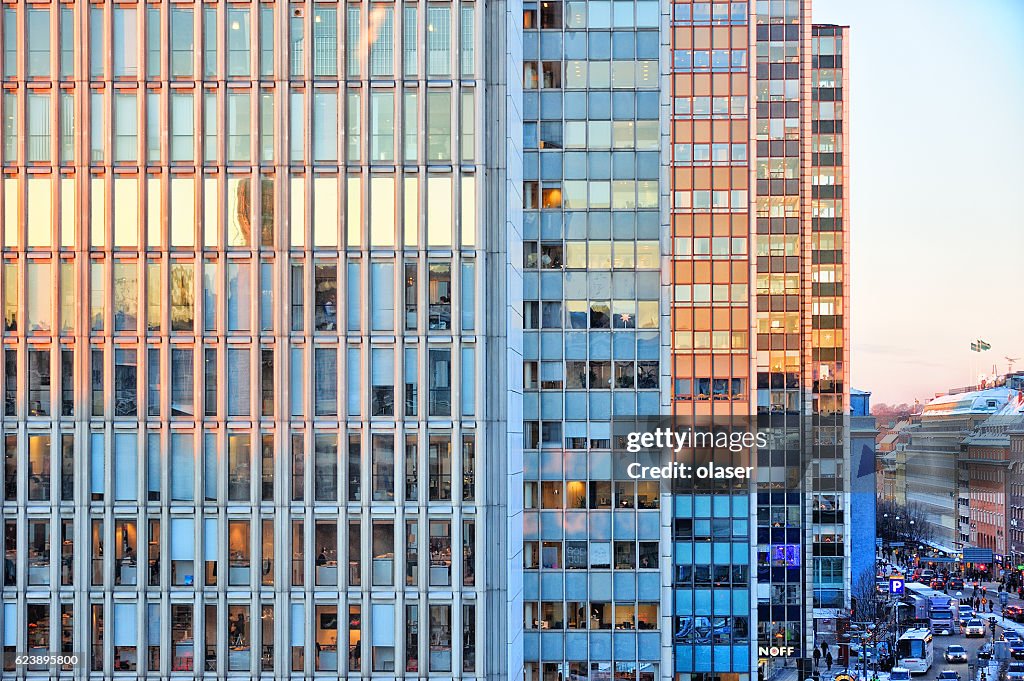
column 868, row 603
column 903, row 522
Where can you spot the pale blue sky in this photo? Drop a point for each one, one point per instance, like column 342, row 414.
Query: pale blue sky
column 937, row 220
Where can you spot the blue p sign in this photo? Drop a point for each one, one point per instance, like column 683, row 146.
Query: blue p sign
column 896, row 586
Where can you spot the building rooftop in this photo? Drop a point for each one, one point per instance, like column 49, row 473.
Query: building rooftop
column 987, row 401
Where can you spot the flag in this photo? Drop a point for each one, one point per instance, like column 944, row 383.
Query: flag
column 983, row 345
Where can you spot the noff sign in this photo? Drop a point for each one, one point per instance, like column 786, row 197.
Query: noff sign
column 776, row 651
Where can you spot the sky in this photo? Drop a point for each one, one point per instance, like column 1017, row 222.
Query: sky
column 937, row 180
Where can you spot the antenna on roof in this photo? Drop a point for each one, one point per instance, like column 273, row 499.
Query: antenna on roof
column 1010, row 361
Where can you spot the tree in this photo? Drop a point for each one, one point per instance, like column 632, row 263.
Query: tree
column 903, row 522
column 869, row 605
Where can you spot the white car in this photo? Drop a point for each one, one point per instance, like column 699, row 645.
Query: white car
column 899, row 674
column 974, row 627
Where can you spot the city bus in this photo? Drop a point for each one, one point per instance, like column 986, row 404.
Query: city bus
column 915, row 651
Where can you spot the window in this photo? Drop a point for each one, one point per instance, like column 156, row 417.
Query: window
column 182, row 127
column 37, row 39
column 352, row 129
column 325, row 41
column 37, row 122
column 325, row 381
column 411, row 382
column 125, row 127
column 410, row 42
column 353, row 42
column 382, row 376
column 96, row 372
column 410, row 131
column 238, row 382
column 438, row 41
column 182, row 42
column 181, row 382
column 382, row 293
column 125, row 42
column 324, row 143
column 267, row 40
column 126, row 385
column 382, row 127
column 439, row 126
column 383, row 552
column 209, row 43
column 439, row 465
column 154, row 43
column 238, row 124
column 440, row 636
column 439, row 377
column 383, row 46
column 39, row 382
column 239, row 39
column 325, row 292
column 382, row 468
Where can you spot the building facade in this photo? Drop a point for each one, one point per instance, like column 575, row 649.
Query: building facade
column 229, row 229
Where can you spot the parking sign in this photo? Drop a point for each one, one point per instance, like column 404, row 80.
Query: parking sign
column 896, row 586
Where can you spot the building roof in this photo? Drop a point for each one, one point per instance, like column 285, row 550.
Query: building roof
column 987, row 401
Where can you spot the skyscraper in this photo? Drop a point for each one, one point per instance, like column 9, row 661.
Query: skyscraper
column 319, row 318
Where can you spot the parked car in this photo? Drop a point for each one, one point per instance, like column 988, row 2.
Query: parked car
column 1014, row 612
column 986, row 651
column 948, row 675
column 1015, row 672
column 974, row 627
column 956, row 653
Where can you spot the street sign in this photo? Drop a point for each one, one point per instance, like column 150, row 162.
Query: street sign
column 896, row 586
column 1004, row 597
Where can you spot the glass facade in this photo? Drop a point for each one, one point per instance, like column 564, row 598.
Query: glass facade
column 591, row 342
column 295, row 286
column 227, row 228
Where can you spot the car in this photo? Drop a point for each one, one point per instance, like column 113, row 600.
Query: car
column 1010, row 635
column 986, row 651
column 966, row 612
column 899, row 674
column 927, row 575
column 956, row 653
column 974, row 627
column 1014, row 612
column 956, row 584
column 1017, row 650
column 937, row 584
column 1015, row 672
column 948, row 675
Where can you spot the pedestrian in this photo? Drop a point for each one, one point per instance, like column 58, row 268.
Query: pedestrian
column 990, row 606
column 828, row 660
column 824, row 648
column 817, row 657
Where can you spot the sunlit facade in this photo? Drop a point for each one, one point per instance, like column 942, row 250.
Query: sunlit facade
column 245, row 290
column 320, row 317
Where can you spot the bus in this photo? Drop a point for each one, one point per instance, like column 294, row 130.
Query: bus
column 915, row 651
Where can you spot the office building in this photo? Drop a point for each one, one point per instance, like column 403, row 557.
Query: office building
column 228, row 229
column 319, row 319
